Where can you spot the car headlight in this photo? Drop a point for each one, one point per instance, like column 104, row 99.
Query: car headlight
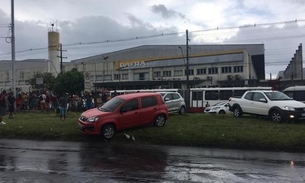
column 288, row 108
column 92, row 119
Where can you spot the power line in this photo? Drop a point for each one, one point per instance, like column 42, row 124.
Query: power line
column 178, row 33
column 92, row 43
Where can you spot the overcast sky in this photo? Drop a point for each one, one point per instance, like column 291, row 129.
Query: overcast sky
column 93, row 22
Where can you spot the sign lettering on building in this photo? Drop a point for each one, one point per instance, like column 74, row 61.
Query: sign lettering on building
column 132, row 64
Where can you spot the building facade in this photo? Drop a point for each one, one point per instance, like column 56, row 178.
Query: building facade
column 155, row 66
column 165, row 66
column 24, row 70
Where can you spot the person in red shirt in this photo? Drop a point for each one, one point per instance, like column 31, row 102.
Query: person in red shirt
column 18, row 103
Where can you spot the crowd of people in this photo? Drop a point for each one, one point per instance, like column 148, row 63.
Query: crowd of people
column 49, row 102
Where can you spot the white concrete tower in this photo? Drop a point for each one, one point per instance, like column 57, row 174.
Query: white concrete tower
column 53, row 48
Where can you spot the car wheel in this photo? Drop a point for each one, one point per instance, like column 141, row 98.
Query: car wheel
column 276, row 116
column 237, row 112
column 160, row 120
column 222, row 112
column 182, row 110
column 108, row 132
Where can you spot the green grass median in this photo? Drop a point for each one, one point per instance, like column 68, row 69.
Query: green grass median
column 199, row 130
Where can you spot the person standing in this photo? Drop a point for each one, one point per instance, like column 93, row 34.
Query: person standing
column 63, row 101
column 11, row 104
column 3, row 104
column 42, row 100
column 18, row 102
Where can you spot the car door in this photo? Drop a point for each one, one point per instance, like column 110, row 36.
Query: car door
column 226, row 107
column 247, row 102
column 259, row 104
column 169, row 101
column 149, row 107
column 176, row 101
column 130, row 114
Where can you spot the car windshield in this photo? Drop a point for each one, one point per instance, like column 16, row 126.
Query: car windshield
column 277, row 96
column 111, row 105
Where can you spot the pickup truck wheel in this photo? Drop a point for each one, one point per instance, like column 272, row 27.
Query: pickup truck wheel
column 237, row 112
column 108, row 132
column 276, row 116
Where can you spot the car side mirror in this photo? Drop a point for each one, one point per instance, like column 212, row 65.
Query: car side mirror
column 166, row 99
column 263, row 100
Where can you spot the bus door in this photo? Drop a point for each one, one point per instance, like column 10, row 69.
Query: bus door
column 196, row 101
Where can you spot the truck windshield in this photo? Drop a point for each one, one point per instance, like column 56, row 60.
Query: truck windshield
column 111, row 105
column 277, row 96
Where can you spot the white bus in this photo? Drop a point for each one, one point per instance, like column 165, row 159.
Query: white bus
column 296, row 93
column 200, row 96
column 120, row 92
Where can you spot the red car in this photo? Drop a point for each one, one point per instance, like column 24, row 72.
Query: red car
column 122, row 112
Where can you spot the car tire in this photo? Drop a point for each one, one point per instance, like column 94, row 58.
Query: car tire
column 160, row 120
column 276, row 116
column 237, row 112
column 182, row 110
column 108, row 132
column 222, row 112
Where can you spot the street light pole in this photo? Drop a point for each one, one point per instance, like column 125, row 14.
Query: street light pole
column 187, row 61
column 105, row 58
column 13, row 46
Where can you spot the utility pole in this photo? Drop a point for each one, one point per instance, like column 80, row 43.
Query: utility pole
column 301, row 59
column 13, row 46
column 61, row 57
column 187, row 61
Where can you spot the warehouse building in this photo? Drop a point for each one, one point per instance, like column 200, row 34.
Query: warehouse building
column 24, row 70
column 155, row 66
column 165, row 66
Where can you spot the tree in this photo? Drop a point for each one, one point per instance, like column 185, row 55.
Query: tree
column 47, row 81
column 71, row 82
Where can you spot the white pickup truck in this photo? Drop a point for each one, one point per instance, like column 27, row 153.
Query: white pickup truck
column 270, row 103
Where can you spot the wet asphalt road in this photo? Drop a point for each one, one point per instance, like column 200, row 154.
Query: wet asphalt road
column 44, row 162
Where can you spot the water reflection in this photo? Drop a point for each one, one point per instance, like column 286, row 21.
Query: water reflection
column 34, row 161
column 58, row 163
column 125, row 162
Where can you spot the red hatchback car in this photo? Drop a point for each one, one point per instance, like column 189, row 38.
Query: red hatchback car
column 122, row 112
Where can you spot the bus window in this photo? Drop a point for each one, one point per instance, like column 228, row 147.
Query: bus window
column 299, row 95
column 238, row 93
column 290, row 94
column 197, row 95
column 212, row 95
column 296, row 93
column 225, row 94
